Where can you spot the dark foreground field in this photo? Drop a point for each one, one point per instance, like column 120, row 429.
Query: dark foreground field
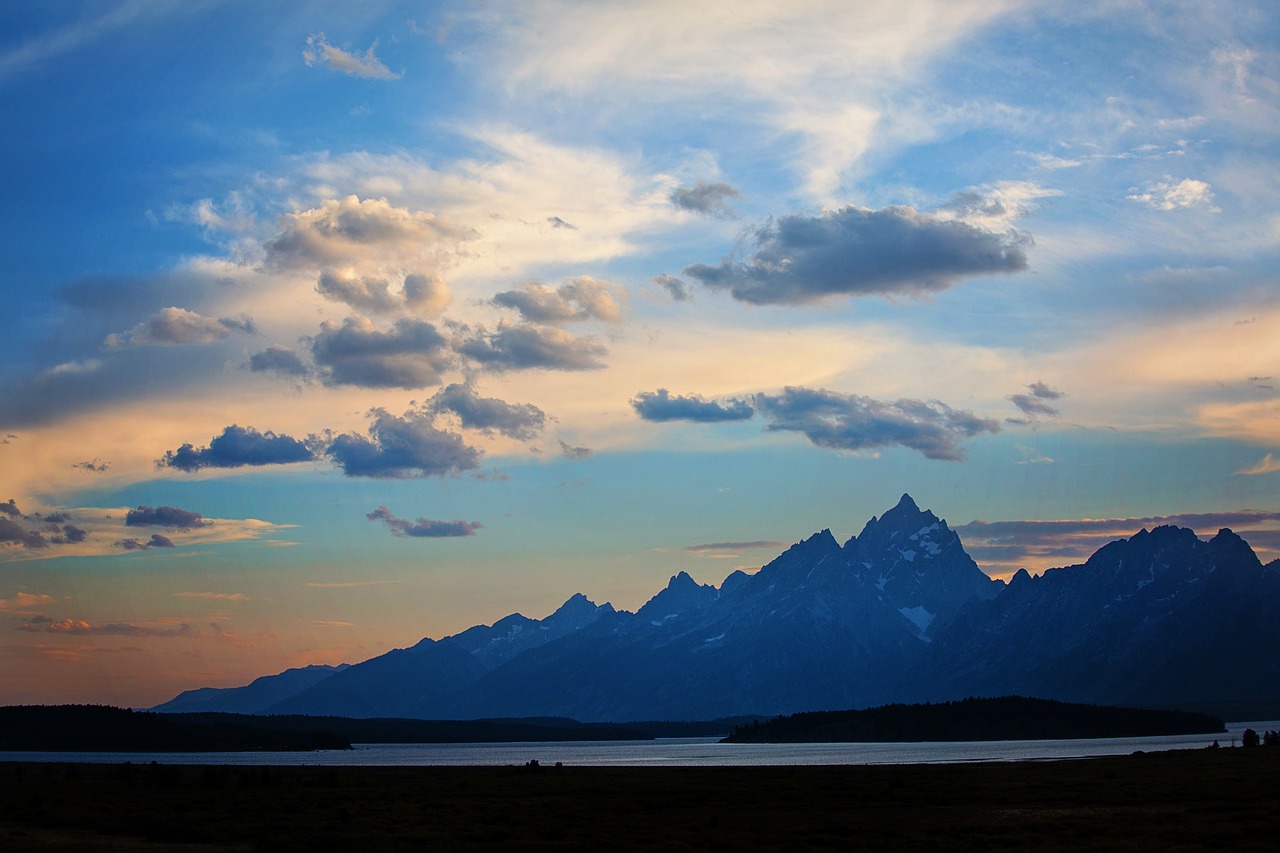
column 1225, row 799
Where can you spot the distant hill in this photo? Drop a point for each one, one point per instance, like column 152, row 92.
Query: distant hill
column 1003, row 718
column 899, row 613
column 100, row 728
column 433, row 731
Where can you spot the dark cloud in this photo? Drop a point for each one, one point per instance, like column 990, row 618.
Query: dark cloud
column 1033, row 404
column 12, row 533
column 402, row 447
column 239, row 446
column 678, row 290
column 521, row 421
column 10, row 508
column 54, row 517
column 94, row 466
column 571, row 452
column 581, row 298
column 172, row 325
column 281, row 360
column 706, row 199
column 72, row 534
column 859, row 252
column 411, row 355
column 557, row 222
column 164, row 516
column 156, row 541
column 661, row 406
column 853, row 422
column 425, row 528
column 527, row 347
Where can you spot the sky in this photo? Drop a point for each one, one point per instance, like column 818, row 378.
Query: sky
column 328, row 327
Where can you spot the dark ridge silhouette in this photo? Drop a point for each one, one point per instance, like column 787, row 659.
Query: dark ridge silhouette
column 102, row 728
column 536, row 729
column 1004, row 718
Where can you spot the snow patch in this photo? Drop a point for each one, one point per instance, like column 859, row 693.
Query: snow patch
column 907, row 555
column 919, row 617
column 881, row 582
column 714, row 639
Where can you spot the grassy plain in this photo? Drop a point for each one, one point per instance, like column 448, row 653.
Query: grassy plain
column 1225, row 799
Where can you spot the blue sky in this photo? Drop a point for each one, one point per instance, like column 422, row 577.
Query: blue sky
column 330, row 328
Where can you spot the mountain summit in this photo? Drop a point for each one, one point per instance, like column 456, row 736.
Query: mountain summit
column 898, row 613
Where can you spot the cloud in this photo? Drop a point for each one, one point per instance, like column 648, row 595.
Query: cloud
column 97, row 532
column 678, row 290
column 557, row 222
column 661, row 406
column 367, row 65
column 171, row 326
column 164, row 516
column 240, row 446
column 279, row 360
column 347, row 584
column 342, row 231
column 571, row 452
column 528, row 346
column 71, row 535
column 424, row 528
column 214, row 596
column 364, row 293
column 858, row 252
column 93, row 466
column 853, row 422
column 80, row 627
column 581, row 298
column 1267, row 465
column 521, row 421
column 427, row 292
column 24, row 601
column 156, row 541
column 411, row 355
column 401, row 448
column 706, row 199
column 11, row 533
column 722, row 549
column 1167, row 195
column 10, row 508
column 1034, row 404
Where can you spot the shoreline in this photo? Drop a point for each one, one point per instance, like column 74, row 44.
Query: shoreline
column 1178, row 800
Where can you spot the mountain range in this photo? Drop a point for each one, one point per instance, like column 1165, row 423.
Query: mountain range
column 898, row 613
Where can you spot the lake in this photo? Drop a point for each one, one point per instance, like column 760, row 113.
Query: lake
column 669, row 752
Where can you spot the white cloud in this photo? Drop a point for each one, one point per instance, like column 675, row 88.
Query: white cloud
column 1266, row 465
column 1167, row 195
column 318, row 50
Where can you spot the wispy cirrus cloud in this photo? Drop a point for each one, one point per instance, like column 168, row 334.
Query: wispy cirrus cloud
column 1266, row 465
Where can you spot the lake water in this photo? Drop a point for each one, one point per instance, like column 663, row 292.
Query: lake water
column 668, row 752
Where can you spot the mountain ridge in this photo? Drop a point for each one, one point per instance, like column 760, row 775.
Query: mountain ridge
column 898, row 613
